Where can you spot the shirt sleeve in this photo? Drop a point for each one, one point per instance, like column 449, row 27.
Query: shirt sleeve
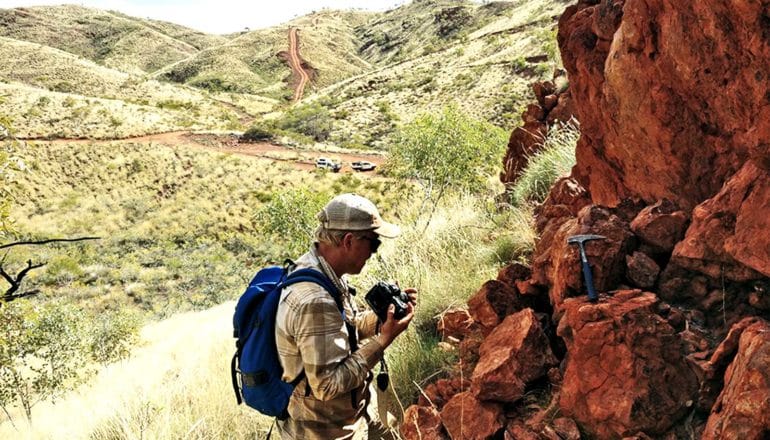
column 366, row 323
column 322, row 340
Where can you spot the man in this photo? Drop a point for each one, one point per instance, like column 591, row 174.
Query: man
column 335, row 350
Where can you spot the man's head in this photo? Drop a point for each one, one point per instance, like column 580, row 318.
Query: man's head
column 349, row 232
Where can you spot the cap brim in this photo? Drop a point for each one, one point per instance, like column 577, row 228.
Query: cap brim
column 388, row 230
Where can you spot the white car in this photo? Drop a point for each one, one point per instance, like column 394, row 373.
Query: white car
column 328, row 164
column 363, row 165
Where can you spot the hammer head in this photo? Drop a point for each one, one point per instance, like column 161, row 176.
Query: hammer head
column 580, row 239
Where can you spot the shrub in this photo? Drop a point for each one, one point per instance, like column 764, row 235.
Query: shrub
column 259, row 131
column 289, row 219
column 556, row 158
column 448, row 150
column 42, row 352
column 112, row 335
column 311, row 119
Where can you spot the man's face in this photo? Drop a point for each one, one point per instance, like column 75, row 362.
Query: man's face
column 362, row 246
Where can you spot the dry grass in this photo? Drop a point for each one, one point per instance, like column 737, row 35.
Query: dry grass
column 176, row 385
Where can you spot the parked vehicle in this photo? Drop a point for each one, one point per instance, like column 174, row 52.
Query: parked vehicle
column 363, row 165
column 323, row 162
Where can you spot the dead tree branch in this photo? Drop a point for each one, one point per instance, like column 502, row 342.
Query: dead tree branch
column 51, row 240
column 11, row 294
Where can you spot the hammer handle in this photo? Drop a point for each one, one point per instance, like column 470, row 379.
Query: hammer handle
column 589, row 278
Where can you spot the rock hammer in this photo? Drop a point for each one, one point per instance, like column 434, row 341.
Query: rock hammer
column 589, row 278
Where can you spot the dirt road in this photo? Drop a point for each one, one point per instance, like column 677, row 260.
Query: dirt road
column 296, row 65
column 302, row 159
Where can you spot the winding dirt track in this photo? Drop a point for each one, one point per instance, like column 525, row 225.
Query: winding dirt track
column 296, row 65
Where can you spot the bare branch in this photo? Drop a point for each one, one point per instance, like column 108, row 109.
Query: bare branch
column 11, row 294
column 51, row 240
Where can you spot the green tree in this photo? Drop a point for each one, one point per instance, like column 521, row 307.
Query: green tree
column 42, row 352
column 288, row 218
column 447, row 151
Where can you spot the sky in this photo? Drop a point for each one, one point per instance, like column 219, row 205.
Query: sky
column 218, row 16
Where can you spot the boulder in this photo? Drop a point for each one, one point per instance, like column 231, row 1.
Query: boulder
column 493, row 301
column 422, row 423
column 512, row 273
column 516, row 353
column 742, row 410
column 660, row 226
column 566, row 428
column 439, row 393
column 467, row 418
column 641, row 270
column 454, row 323
column 625, row 370
column 729, row 233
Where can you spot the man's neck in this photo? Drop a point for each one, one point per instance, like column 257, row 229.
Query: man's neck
column 333, row 257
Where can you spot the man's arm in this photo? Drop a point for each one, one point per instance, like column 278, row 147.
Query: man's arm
column 322, row 340
column 366, row 323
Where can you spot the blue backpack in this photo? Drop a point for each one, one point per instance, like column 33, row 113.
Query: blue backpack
column 255, row 368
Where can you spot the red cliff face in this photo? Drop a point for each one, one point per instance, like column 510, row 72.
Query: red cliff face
column 672, row 98
column 673, row 168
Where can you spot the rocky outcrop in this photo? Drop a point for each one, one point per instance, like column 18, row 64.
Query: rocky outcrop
column 669, row 98
column 673, row 169
column 742, row 410
column 554, row 103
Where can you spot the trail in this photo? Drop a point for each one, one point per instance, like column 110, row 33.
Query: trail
column 296, row 65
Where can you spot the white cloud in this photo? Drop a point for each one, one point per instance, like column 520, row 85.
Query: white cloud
column 219, row 16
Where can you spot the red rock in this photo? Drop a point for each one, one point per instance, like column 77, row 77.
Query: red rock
column 422, row 423
column 454, row 323
column 512, row 273
column 469, row 350
column 660, row 226
column 550, row 101
column 714, row 370
column 669, row 99
column 729, row 234
column 519, row 431
column 467, row 418
column 742, row 410
column 527, row 140
column 492, row 302
column 566, row 428
column 514, row 354
column 641, row 270
column 625, row 370
column 542, row 90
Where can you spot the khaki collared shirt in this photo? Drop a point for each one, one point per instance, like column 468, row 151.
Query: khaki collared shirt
column 311, row 336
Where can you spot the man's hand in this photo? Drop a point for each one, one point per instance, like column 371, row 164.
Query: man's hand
column 392, row 327
column 412, row 294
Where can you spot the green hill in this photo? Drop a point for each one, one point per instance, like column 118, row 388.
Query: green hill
column 370, row 71
column 114, row 40
column 251, row 62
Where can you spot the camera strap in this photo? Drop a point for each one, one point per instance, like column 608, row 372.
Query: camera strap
column 383, row 378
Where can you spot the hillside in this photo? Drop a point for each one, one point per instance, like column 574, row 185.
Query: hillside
column 114, row 40
column 252, row 62
column 484, row 59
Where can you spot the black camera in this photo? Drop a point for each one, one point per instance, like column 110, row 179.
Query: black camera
column 382, row 295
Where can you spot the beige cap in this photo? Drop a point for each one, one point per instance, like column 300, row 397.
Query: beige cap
column 351, row 212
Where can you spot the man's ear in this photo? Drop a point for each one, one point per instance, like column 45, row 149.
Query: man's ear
column 347, row 240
